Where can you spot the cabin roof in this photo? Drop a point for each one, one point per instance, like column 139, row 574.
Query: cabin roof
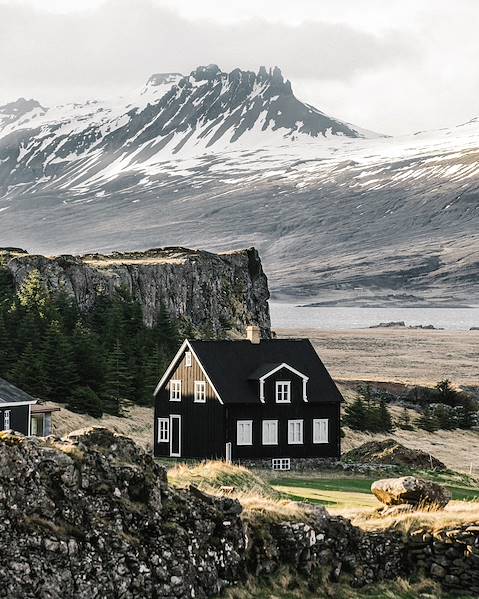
column 235, row 366
column 10, row 394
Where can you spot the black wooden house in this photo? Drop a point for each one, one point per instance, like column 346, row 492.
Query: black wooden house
column 254, row 399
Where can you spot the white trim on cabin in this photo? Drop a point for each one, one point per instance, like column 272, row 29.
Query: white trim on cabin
column 163, row 433
column 199, row 392
column 178, row 417
column 283, row 392
column 295, row 432
column 164, row 378
column 270, row 432
column 273, row 370
column 12, row 404
column 244, row 432
column 175, row 390
column 320, row 430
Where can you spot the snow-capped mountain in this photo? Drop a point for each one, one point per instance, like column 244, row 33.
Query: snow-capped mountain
column 222, row 160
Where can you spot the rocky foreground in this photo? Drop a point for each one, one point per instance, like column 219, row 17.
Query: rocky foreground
column 92, row 516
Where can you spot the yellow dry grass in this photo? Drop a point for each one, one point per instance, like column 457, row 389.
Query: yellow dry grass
column 411, row 356
column 256, row 496
column 456, row 513
column 138, row 424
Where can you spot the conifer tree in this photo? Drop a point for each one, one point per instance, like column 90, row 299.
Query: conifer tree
column 89, row 358
column 117, row 387
column 404, row 420
column 355, row 414
column 59, row 366
column 7, row 355
column 427, row 421
column 27, row 372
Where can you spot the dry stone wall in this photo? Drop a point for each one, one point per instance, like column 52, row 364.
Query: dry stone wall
column 92, row 517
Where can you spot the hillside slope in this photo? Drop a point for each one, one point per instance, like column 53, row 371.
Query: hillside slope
column 223, row 160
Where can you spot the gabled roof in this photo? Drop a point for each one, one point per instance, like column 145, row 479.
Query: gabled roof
column 231, row 364
column 9, row 394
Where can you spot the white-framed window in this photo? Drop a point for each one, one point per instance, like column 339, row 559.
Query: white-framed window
column 283, row 391
column 188, row 358
column 281, row 464
column 175, row 390
column 244, row 432
column 270, row 432
column 6, row 420
column 320, row 430
column 295, row 432
column 163, row 430
column 200, row 391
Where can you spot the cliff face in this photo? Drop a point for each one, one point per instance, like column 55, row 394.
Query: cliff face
column 215, row 294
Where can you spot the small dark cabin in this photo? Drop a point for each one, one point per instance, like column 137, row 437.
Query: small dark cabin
column 22, row 413
column 254, row 399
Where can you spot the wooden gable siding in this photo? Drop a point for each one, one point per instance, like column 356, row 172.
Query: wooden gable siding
column 19, row 418
column 202, row 424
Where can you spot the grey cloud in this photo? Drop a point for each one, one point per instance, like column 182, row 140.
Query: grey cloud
column 119, row 44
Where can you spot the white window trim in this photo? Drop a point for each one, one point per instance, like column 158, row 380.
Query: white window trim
column 242, row 442
column 264, row 428
column 165, row 438
column 200, row 385
column 6, row 420
column 188, row 359
column 178, row 417
column 173, row 396
column 291, row 369
column 316, row 438
column 291, row 441
column 283, row 385
column 281, row 463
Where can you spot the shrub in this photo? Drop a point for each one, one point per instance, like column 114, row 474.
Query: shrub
column 86, row 401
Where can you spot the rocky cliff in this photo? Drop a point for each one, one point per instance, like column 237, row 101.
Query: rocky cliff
column 215, row 294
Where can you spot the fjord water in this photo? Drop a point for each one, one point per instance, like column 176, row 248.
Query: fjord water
column 292, row 316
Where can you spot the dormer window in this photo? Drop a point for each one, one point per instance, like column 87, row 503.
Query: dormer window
column 283, row 391
column 188, row 358
column 175, row 390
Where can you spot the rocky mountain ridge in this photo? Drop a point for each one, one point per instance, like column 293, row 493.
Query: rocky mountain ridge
column 227, row 160
column 213, row 294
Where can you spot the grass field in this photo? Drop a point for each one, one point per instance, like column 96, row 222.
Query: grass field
column 348, row 492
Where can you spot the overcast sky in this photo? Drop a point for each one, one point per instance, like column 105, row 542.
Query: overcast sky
column 393, row 66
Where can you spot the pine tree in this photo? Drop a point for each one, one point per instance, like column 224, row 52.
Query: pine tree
column 33, row 296
column 60, row 372
column 117, row 387
column 27, row 372
column 467, row 414
column 355, row 414
column 85, row 401
column 89, row 358
column 167, row 330
column 155, row 366
column 444, row 416
column 7, row 354
column 427, row 421
column 404, row 421
column 384, row 418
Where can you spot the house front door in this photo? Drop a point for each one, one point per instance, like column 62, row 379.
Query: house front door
column 175, row 436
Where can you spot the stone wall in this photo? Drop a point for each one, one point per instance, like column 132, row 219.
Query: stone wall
column 215, row 294
column 92, row 516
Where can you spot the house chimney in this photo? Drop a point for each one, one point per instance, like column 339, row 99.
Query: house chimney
column 253, row 333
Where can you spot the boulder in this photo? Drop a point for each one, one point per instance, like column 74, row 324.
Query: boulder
column 390, row 452
column 410, row 490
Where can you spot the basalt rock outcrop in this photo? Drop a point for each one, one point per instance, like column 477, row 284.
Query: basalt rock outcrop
column 391, row 453
column 92, row 516
column 214, row 294
column 410, row 490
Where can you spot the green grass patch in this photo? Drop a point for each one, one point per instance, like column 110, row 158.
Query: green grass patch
column 348, row 492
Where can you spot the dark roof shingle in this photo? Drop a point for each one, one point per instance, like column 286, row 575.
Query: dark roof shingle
column 11, row 394
column 231, row 366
